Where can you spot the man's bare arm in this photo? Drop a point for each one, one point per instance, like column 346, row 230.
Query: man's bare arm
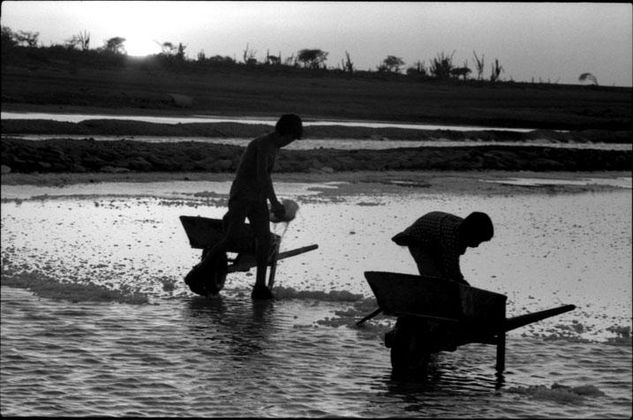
column 263, row 176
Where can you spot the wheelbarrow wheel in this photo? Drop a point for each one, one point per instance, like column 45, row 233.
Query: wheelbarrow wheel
column 217, row 275
column 208, row 280
column 409, row 351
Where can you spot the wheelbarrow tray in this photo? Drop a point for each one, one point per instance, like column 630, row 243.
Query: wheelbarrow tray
column 204, row 232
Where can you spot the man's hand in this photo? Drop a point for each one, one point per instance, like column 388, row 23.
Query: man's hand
column 279, row 211
column 464, row 282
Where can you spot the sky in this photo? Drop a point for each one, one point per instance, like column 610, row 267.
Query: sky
column 548, row 42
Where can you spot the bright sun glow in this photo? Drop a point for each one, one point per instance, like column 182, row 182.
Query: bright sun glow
column 141, row 47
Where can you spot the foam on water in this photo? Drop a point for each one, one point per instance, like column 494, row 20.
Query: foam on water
column 621, row 182
column 45, row 286
column 559, row 393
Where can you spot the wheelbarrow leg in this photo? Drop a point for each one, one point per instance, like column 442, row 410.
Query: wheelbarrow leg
column 370, row 316
column 273, row 265
column 501, row 347
column 501, row 352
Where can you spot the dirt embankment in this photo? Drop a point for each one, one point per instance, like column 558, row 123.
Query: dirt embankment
column 68, row 155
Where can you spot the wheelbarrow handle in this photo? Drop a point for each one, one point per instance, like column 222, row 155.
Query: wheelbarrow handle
column 370, row 316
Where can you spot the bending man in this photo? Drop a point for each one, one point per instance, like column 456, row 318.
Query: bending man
column 437, row 240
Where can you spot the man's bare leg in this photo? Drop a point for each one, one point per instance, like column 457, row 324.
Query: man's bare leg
column 262, row 246
column 222, row 245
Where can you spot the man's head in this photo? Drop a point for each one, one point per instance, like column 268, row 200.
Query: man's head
column 289, row 127
column 476, row 228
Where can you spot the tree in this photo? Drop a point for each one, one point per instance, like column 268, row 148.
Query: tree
column 218, row 59
column 174, row 53
column 461, row 71
column 8, row 38
column 496, row 71
column 249, row 56
column 417, row 69
column 588, row 76
column 312, row 58
column 391, row 64
column 84, row 40
column 479, row 65
column 115, row 45
column 347, row 64
column 291, row 61
column 168, row 49
column 273, row 60
column 81, row 41
column 180, row 53
column 442, row 65
column 28, row 38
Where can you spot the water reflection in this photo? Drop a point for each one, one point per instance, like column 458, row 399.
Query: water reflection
column 238, row 328
column 465, row 370
column 444, row 379
column 75, row 118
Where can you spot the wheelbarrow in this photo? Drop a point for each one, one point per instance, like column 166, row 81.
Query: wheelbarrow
column 435, row 315
column 204, row 232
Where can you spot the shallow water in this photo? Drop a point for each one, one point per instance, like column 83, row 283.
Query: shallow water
column 97, row 321
column 342, row 144
column 620, row 182
column 75, row 118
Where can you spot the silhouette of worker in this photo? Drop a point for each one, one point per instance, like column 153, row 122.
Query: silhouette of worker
column 437, row 240
column 250, row 191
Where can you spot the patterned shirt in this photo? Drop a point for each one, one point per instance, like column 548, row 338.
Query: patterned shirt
column 437, row 234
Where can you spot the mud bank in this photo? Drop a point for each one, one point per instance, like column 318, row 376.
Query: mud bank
column 72, row 155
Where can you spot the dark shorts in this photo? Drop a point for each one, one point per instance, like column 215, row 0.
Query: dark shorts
column 256, row 212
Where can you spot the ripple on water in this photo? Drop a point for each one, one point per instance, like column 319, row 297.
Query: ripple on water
column 89, row 328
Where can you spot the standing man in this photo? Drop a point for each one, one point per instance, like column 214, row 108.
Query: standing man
column 251, row 190
column 437, row 240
